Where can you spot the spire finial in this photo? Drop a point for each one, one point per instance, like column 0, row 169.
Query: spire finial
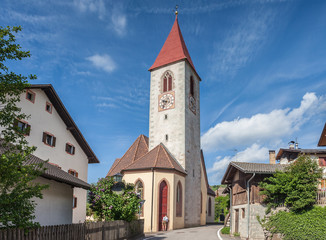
column 176, row 10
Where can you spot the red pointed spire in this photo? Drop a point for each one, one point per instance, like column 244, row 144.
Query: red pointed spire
column 174, row 49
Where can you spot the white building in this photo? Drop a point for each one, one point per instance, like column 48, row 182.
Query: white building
column 58, row 140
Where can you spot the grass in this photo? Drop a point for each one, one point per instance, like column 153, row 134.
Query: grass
column 225, row 230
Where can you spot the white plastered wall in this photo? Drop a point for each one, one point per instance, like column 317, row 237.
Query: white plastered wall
column 42, row 121
column 56, row 206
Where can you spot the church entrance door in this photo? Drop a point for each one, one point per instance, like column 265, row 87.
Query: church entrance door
column 163, row 204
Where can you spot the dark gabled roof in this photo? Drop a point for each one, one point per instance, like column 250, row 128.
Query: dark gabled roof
column 283, row 151
column 246, row 167
column 52, row 172
column 322, row 139
column 56, row 174
column 210, row 192
column 65, row 116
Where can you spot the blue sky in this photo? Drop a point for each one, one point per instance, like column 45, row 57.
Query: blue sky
column 262, row 64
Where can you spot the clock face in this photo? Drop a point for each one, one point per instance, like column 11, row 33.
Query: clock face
column 166, row 101
column 192, row 104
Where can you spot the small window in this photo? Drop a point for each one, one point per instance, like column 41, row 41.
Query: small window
column 192, row 86
column 167, row 82
column 166, row 137
column 73, row 172
column 48, row 107
column 70, row 148
column 74, row 202
column 49, row 139
column 209, row 207
column 165, row 116
column 22, row 127
column 243, row 213
column 30, row 96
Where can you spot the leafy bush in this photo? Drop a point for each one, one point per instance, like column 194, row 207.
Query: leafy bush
column 108, row 205
column 225, row 230
column 236, row 234
column 222, row 204
column 298, row 226
column 296, row 187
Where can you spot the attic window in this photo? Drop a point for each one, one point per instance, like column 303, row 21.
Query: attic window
column 30, row 95
column 48, row 107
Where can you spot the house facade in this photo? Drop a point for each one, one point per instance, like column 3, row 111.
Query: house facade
column 168, row 167
column 58, row 140
column 243, row 181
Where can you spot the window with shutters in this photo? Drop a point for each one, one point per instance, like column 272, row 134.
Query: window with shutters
column 73, row 172
column 179, row 200
column 167, row 82
column 74, row 202
column 70, row 149
column 22, row 127
column 30, row 95
column 49, row 139
column 322, row 161
column 48, row 107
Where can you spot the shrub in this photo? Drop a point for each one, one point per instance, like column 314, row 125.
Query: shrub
column 298, row 226
column 225, row 230
column 108, row 205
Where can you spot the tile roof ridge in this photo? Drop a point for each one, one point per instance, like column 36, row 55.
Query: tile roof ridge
column 144, row 139
column 158, row 151
column 171, row 156
column 167, row 155
column 133, row 158
column 113, row 167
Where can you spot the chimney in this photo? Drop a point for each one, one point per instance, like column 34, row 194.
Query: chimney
column 272, row 159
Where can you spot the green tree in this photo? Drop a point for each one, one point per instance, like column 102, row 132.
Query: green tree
column 109, row 205
column 222, row 204
column 296, row 187
column 16, row 186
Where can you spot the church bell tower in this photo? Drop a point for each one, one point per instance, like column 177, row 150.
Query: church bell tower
column 175, row 115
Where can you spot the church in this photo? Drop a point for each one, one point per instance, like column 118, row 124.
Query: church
column 168, row 167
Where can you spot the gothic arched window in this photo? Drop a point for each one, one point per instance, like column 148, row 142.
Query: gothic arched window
column 209, row 207
column 192, row 86
column 167, row 82
column 139, row 187
column 179, row 200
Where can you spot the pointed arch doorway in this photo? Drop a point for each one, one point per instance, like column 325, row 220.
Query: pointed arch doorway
column 163, row 203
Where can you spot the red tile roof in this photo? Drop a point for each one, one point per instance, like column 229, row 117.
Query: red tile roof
column 136, row 150
column 174, row 49
column 158, row 158
column 138, row 157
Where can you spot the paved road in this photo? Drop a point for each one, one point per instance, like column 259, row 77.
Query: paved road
column 208, row 232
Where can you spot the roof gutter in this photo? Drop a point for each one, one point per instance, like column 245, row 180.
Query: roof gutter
column 248, row 199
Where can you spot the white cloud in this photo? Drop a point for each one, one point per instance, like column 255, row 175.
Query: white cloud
column 104, row 62
column 254, row 153
column 262, row 127
column 94, row 6
column 119, row 22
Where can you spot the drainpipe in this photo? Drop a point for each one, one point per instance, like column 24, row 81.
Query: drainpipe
column 248, row 199
column 231, row 208
column 152, row 199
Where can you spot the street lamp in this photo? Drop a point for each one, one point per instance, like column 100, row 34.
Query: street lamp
column 119, row 186
column 117, row 177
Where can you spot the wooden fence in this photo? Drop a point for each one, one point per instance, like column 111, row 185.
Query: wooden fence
column 82, row 231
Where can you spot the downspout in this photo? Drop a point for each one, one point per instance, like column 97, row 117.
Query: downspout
column 231, row 210
column 152, row 199
column 248, row 199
